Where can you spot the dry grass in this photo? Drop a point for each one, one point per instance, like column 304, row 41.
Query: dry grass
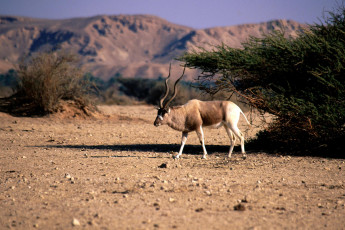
column 47, row 78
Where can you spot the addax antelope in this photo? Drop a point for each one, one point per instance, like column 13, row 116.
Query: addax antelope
column 196, row 114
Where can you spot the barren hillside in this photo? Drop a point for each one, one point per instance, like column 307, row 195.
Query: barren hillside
column 131, row 45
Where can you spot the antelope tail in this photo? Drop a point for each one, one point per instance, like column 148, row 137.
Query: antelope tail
column 245, row 118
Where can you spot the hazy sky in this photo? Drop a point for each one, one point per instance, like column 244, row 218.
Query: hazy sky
column 193, row 13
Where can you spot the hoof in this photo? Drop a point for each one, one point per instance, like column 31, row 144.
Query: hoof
column 227, row 160
column 176, row 157
column 204, row 157
column 244, row 157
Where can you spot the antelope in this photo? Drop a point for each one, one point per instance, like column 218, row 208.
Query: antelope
column 196, row 114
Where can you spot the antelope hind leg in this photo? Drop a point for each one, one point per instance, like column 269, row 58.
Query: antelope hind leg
column 232, row 139
column 200, row 134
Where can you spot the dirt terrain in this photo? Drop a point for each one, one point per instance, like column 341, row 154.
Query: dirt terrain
column 117, row 172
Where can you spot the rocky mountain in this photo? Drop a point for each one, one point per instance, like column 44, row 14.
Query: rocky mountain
column 130, row 45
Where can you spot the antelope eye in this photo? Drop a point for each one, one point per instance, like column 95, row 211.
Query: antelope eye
column 161, row 112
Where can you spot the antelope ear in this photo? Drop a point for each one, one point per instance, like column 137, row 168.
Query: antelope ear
column 168, row 110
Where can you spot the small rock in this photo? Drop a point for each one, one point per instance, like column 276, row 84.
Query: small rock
column 68, row 176
column 147, row 221
column 91, row 223
column 239, row 207
column 163, row 166
column 208, row 193
column 199, row 209
column 246, row 199
column 340, row 202
column 75, row 222
column 171, row 200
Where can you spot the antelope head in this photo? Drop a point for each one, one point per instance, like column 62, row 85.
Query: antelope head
column 164, row 109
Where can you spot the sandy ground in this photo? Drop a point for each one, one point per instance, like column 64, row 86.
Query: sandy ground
column 118, row 173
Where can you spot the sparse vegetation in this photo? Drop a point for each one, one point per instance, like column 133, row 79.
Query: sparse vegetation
column 124, row 91
column 151, row 91
column 8, row 83
column 300, row 81
column 47, row 78
column 43, row 80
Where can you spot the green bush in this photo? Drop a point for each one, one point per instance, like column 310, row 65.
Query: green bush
column 301, row 81
column 47, row 78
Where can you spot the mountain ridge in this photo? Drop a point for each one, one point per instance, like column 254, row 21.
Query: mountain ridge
column 129, row 45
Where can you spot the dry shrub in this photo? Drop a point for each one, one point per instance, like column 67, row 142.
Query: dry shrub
column 47, row 78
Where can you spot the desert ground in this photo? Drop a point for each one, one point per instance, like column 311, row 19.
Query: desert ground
column 117, row 172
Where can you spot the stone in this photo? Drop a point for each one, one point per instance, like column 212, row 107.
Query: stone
column 75, row 222
column 239, row 207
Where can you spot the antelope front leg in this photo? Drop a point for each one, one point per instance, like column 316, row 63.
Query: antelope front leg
column 183, row 142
